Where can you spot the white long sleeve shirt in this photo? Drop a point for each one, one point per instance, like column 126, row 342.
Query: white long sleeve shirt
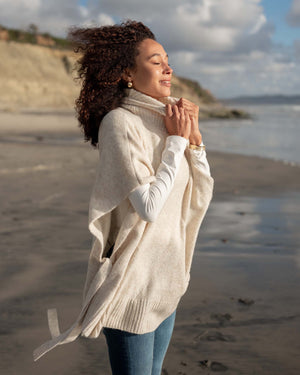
column 149, row 199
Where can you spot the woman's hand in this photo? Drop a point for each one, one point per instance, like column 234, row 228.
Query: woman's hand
column 177, row 121
column 192, row 109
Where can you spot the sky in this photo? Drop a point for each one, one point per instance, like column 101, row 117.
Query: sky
column 231, row 47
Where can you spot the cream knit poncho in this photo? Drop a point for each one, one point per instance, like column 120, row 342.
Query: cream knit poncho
column 142, row 282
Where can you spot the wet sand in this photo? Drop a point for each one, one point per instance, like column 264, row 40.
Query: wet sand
column 241, row 314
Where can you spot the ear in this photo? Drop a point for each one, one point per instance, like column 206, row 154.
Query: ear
column 126, row 75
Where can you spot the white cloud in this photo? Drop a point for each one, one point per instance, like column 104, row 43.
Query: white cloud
column 209, row 24
column 261, row 21
column 225, row 44
column 104, row 19
column 19, row 13
column 23, row 4
column 54, row 16
column 252, row 75
column 293, row 17
column 84, row 12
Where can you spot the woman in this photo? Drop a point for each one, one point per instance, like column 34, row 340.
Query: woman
column 151, row 193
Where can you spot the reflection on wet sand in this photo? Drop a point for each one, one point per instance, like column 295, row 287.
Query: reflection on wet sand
column 254, row 226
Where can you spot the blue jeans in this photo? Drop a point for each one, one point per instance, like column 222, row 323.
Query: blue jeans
column 139, row 354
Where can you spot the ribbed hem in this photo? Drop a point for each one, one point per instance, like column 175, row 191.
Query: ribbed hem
column 138, row 316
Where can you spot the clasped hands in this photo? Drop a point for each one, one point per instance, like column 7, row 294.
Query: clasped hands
column 182, row 119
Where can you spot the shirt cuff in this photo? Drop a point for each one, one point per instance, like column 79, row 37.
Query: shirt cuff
column 177, row 140
column 200, row 161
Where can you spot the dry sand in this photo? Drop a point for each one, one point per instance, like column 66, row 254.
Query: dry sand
column 241, row 314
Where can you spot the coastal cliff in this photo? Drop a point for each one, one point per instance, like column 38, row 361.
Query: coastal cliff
column 36, row 76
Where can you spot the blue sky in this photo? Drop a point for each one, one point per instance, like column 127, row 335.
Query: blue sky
column 231, row 47
column 276, row 11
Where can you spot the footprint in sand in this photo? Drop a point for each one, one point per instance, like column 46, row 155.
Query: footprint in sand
column 213, row 366
column 214, row 336
column 221, row 318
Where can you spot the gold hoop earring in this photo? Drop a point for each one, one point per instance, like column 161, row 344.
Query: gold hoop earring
column 129, row 84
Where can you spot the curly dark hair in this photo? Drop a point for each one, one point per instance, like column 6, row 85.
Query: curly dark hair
column 108, row 52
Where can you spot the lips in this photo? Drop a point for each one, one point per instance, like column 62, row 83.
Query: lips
column 165, row 83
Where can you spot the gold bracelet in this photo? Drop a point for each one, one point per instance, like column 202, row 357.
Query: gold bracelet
column 198, row 148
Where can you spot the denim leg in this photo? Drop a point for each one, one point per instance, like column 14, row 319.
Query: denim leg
column 129, row 353
column 162, row 337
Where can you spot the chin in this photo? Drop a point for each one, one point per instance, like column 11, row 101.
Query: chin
column 165, row 93
column 160, row 94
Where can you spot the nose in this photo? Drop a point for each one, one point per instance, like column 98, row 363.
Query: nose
column 168, row 69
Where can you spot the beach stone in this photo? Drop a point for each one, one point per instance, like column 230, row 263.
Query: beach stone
column 245, row 301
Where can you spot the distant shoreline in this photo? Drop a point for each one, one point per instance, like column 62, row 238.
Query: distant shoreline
column 263, row 99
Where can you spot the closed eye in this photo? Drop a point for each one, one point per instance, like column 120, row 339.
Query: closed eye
column 158, row 63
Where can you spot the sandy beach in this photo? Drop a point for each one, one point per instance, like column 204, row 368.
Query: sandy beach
column 241, row 314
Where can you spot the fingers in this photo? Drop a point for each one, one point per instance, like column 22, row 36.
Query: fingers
column 182, row 102
column 194, row 122
column 183, row 120
column 188, row 105
column 176, row 111
column 182, row 113
column 188, row 121
column 180, row 105
column 177, row 121
column 169, row 111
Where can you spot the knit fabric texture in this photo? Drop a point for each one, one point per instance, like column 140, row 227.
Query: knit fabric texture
column 141, row 283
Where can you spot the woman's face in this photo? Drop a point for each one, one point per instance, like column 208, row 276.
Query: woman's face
column 152, row 75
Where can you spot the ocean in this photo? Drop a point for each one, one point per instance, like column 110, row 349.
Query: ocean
column 273, row 132
column 257, row 237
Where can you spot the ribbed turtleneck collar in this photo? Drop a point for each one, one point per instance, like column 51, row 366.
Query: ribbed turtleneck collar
column 142, row 101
